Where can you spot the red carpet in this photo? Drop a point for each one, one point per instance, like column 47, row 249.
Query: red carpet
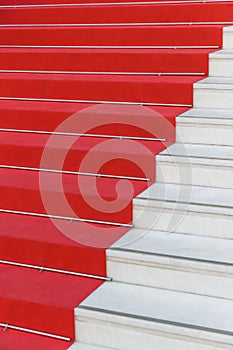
column 53, row 98
column 82, row 87
column 103, row 60
column 121, row 36
column 178, row 12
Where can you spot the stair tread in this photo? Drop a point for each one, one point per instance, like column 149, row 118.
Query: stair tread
column 202, row 113
column 197, row 151
column 175, row 245
column 176, row 308
column 228, row 29
column 215, row 83
column 222, row 54
column 196, row 195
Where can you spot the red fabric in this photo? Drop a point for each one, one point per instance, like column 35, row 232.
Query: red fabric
column 103, row 60
column 42, row 301
column 155, row 35
column 10, row 338
column 181, row 12
column 170, row 89
column 47, row 116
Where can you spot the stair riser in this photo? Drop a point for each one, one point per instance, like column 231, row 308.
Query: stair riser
column 160, row 35
column 205, row 97
column 194, row 173
column 228, row 38
column 221, row 68
column 206, row 132
column 171, row 274
column 122, row 333
column 182, row 219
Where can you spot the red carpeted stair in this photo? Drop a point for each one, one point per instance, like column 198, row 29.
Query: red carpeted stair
column 66, row 197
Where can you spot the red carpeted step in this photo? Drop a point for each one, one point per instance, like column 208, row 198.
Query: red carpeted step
column 42, row 301
column 42, row 242
column 36, row 115
column 47, row 116
column 37, row 241
column 86, row 197
column 10, row 338
column 26, row 150
column 121, row 13
column 104, row 60
column 159, row 89
column 127, row 36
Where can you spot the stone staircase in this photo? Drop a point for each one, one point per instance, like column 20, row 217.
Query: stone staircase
column 172, row 273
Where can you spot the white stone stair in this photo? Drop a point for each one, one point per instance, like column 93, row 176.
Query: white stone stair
column 191, row 164
column 221, row 63
column 197, row 210
column 130, row 317
column 228, row 38
column 206, row 127
column 187, row 263
column 214, row 92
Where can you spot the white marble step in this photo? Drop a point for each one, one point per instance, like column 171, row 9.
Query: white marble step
column 214, row 92
column 191, row 164
column 228, row 38
column 201, row 265
column 221, row 63
column 82, row 346
column 127, row 317
column 205, row 126
column 197, row 210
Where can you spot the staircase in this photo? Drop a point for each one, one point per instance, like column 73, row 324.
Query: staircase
column 89, row 96
column 172, row 273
